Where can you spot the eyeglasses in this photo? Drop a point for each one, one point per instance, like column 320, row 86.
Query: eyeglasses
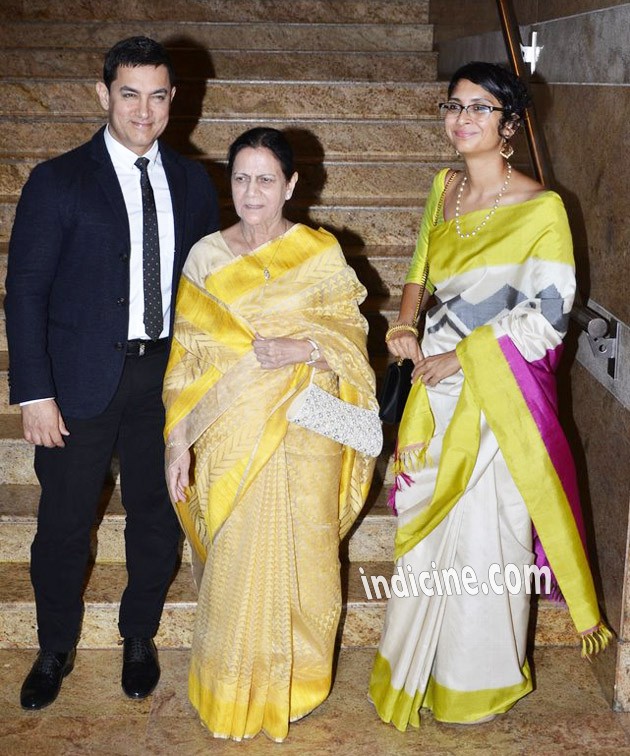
column 476, row 110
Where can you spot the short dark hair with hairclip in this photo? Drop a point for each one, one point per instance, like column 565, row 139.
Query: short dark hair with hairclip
column 134, row 52
column 509, row 90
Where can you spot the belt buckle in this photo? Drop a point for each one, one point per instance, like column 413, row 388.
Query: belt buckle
column 141, row 348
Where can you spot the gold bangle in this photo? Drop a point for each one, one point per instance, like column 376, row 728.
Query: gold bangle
column 403, row 323
column 400, row 327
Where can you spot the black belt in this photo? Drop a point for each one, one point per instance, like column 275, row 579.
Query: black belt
column 142, row 347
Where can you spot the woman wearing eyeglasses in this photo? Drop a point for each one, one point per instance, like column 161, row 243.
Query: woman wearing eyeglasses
column 485, row 486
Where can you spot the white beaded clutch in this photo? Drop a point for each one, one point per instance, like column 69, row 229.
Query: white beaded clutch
column 320, row 412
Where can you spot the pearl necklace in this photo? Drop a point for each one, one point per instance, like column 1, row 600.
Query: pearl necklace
column 489, row 214
column 265, row 268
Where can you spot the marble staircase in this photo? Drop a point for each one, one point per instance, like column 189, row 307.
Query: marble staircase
column 354, row 84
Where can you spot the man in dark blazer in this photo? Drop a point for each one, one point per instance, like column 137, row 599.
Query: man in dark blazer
column 97, row 248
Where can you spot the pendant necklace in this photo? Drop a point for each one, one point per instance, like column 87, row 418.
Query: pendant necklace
column 489, row 214
column 265, row 268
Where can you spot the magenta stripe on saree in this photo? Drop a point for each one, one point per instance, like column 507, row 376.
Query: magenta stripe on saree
column 536, row 381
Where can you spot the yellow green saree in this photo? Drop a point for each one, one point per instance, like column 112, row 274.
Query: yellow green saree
column 270, row 501
column 480, row 458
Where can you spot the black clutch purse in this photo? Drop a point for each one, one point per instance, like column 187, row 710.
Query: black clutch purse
column 395, row 390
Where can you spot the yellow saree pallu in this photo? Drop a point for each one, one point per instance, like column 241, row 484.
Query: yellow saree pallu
column 270, row 500
column 480, row 458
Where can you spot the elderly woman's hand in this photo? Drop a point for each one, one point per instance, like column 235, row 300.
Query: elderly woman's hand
column 278, row 352
column 178, row 477
column 432, row 370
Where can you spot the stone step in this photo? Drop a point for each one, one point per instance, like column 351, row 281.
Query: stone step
column 381, row 269
column 233, row 64
column 279, row 11
column 381, row 272
column 378, row 309
column 353, row 225
column 25, row 98
column 329, row 181
column 19, row 490
column 371, row 538
column 362, row 619
column 209, row 139
column 378, row 361
column 207, row 35
column 5, row 407
column 16, row 455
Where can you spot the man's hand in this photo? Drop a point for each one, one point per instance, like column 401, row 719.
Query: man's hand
column 43, row 425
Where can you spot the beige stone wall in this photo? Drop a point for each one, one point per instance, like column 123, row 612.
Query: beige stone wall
column 582, row 99
column 454, row 19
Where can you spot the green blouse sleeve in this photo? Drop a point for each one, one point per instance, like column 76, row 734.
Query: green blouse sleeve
column 416, row 269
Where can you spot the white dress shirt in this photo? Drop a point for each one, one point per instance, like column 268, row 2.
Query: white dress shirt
column 129, row 178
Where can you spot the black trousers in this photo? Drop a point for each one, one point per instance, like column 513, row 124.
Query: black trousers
column 72, row 480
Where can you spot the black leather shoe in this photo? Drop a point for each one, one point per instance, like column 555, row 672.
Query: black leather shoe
column 43, row 682
column 141, row 669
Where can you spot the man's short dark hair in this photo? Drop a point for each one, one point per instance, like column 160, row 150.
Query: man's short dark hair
column 133, row 52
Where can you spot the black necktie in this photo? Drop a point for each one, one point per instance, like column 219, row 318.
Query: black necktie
column 153, row 318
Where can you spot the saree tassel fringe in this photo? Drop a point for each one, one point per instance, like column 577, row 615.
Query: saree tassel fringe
column 411, row 459
column 401, row 479
column 596, row 641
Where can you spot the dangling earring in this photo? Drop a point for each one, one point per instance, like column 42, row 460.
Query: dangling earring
column 457, row 153
column 506, row 150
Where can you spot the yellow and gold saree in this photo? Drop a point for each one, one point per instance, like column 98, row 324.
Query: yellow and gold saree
column 269, row 501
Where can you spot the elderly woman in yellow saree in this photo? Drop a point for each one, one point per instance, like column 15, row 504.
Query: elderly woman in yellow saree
column 264, row 502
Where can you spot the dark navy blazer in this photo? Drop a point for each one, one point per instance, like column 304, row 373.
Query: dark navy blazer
column 67, row 300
